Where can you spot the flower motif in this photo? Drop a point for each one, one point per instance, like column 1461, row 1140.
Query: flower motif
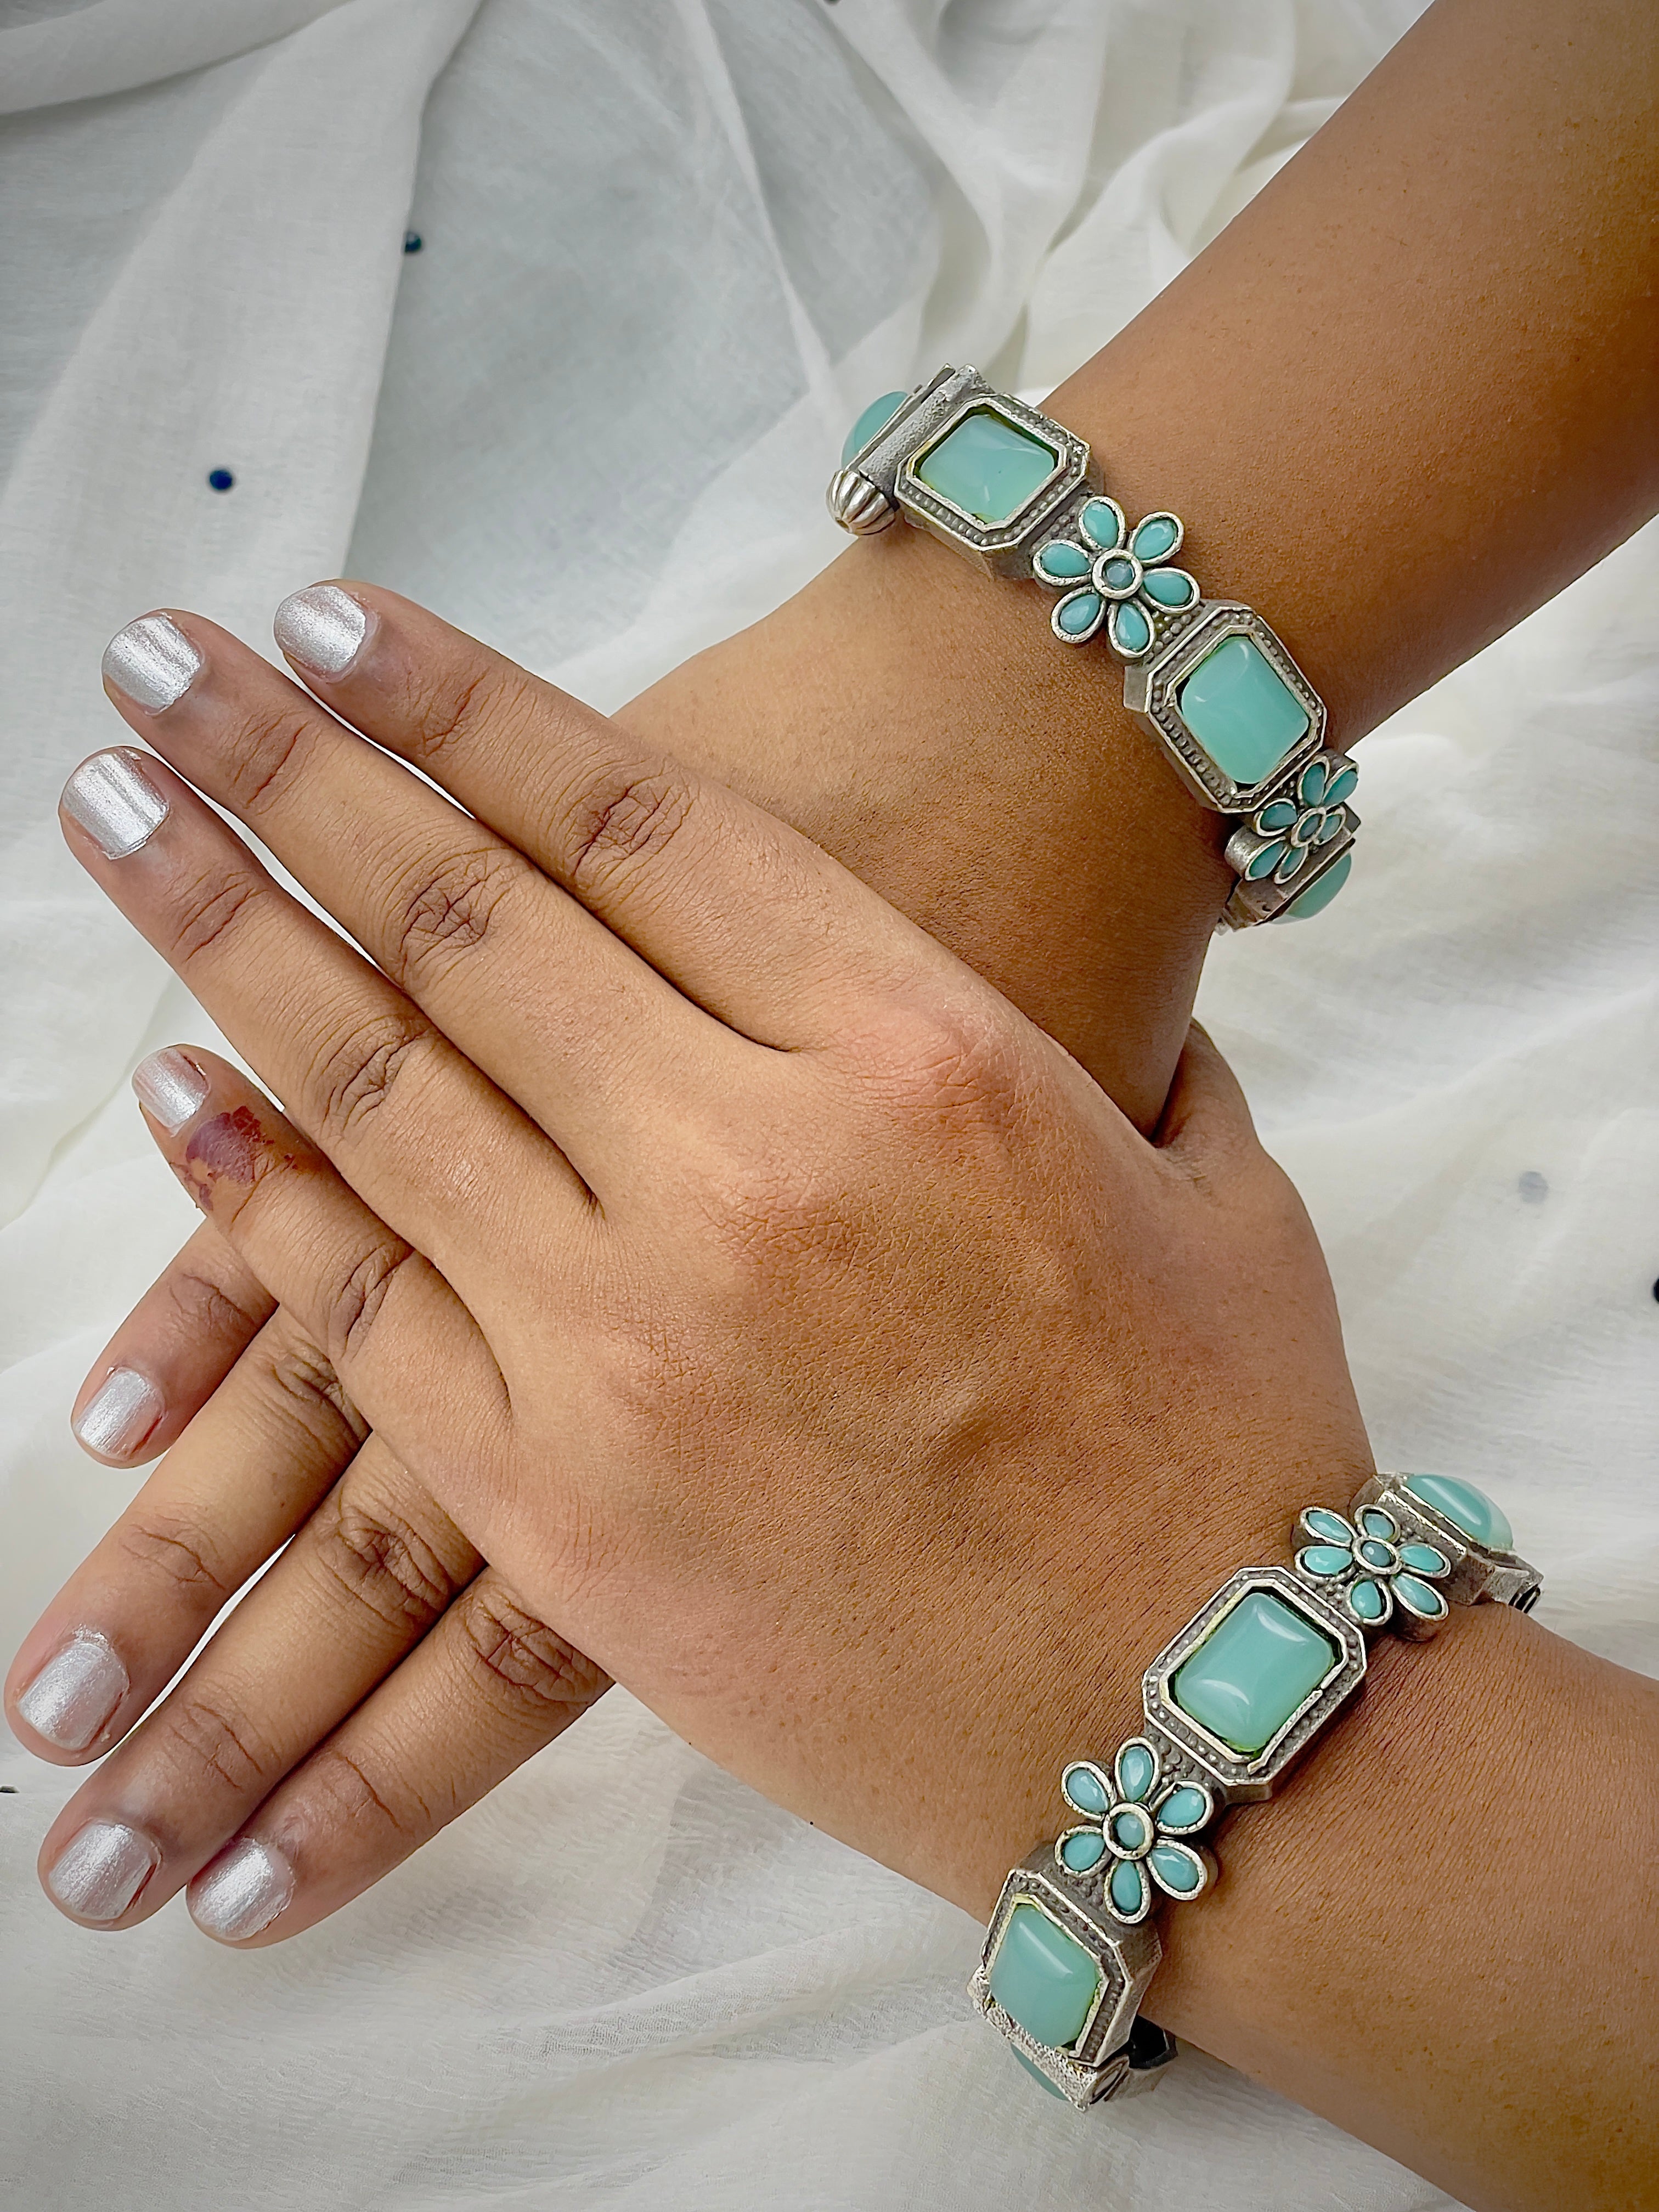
column 1281, row 836
column 1128, row 586
column 1374, row 1571
column 1130, row 1822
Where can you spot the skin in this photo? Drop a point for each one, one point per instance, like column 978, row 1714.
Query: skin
column 1445, row 272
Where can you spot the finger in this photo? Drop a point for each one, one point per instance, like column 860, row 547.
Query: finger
column 747, row 916
column 1206, row 1124
column 490, row 1687
column 171, row 1353
column 517, row 973
column 408, row 1120
column 252, row 1464
column 361, row 1583
column 404, row 1348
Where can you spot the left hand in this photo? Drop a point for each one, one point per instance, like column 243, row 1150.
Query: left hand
column 793, row 1323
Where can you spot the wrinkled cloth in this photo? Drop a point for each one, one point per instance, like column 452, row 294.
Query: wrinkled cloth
column 667, row 250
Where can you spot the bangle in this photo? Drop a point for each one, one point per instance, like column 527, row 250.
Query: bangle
column 1019, row 495
column 1229, row 1705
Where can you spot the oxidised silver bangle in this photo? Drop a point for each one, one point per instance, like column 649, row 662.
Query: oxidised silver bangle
column 1229, row 1705
column 1020, row 495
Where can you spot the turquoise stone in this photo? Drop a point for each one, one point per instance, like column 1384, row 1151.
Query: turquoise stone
column 1310, row 784
column 877, row 413
column 1060, row 560
column 1130, row 631
column 1419, row 1596
column 1241, row 710
column 1375, row 1555
column 1342, row 784
column 1084, row 1850
column 1085, row 1790
column 1466, row 1508
column 1375, row 1522
column 1159, row 534
column 1318, row 895
column 1039, row 2076
column 1176, row 1870
column 1424, row 1558
column 1332, row 826
column 1253, row 1670
column 1331, row 1526
column 1135, row 1768
column 1278, row 814
column 1043, row 1978
column 1325, row 1558
column 1366, row 1600
column 987, row 467
column 1170, row 587
column 1185, row 1807
column 1128, row 1887
column 1133, row 1829
column 1266, row 861
column 1118, row 575
column 1294, row 855
column 1103, row 525
column 1080, row 614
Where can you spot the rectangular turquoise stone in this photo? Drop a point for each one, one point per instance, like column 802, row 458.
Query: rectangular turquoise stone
column 1253, row 1670
column 1043, row 1978
column 987, row 467
column 1241, row 710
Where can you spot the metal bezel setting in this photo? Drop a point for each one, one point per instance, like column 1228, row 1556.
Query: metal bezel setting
column 1002, row 548
column 1478, row 1571
column 1149, row 690
column 1238, row 1778
column 1251, row 903
column 1097, row 2065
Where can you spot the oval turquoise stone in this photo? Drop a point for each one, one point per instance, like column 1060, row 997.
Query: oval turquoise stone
column 1084, row 1850
column 878, row 412
column 1059, row 559
column 1135, row 1768
column 1130, row 629
column 1278, row 814
column 1241, row 710
column 1043, row 1978
column 1318, row 895
column 1159, row 534
column 1466, row 1508
column 1266, row 861
column 1119, row 574
column 1170, row 587
column 1310, row 784
column 1102, row 524
column 1176, row 1870
column 1376, row 1523
column 1375, row 1555
column 1367, row 1601
column 1325, row 1558
column 1254, row 1671
column 1132, row 1829
column 1331, row 1526
column 1185, row 1807
column 1424, row 1558
column 1085, row 1790
column 1079, row 614
column 1127, row 1887
column 1419, row 1596
column 1342, row 784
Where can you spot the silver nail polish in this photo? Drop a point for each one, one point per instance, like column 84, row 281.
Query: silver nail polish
column 153, row 662
column 115, row 803
column 102, row 1869
column 120, row 1413
column 71, row 1699
column 242, row 1892
column 321, row 628
column 170, row 1088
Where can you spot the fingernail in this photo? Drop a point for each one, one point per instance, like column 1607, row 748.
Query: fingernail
column 242, row 1893
column 115, row 803
column 153, row 662
column 71, row 1699
column 102, row 1869
column 321, row 628
column 120, row 1413
column 170, row 1088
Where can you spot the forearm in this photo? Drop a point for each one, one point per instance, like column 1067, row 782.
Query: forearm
column 1403, row 398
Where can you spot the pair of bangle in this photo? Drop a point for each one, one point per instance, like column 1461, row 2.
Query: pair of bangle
column 1020, row 495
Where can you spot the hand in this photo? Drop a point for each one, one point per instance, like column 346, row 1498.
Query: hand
column 721, row 1177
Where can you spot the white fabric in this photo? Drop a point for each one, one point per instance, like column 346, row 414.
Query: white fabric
column 670, row 248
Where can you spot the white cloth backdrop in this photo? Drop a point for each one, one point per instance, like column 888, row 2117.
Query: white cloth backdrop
column 669, row 246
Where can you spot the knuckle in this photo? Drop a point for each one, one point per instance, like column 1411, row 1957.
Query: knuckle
column 172, row 1545
column 955, row 1065
column 520, row 1661
column 210, row 907
column 214, row 1737
column 621, row 815
column 451, row 908
column 354, row 1304
column 349, row 1794
column 382, row 1562
column 356, row 1074
column 266, row 751
column 310, row 1391
column 207, row 1311
column 446, row 712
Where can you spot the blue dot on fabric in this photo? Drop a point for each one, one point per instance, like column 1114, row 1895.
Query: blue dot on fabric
column 221, row 479
column 412, row 242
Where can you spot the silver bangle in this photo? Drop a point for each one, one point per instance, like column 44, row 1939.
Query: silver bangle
column 1020, row 495
column 1229, row 1705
